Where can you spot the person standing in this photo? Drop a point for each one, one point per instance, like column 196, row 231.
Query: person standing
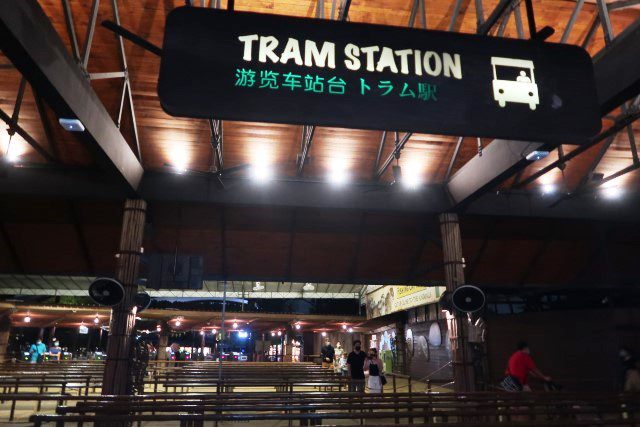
column 521, row 364
column 355, row 367
column 374, row 368
column 37, row 351
column 55, row 352
column 630, row 373
column 328, row 354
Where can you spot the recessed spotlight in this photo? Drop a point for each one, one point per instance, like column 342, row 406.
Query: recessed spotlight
column 613, row 192
column 536, row 155
column 72, row 125
column 261, row 173
column 338, row 178
column 549, row 188
column 411, row 182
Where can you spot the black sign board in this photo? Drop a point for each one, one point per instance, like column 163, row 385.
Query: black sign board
column 269, row 68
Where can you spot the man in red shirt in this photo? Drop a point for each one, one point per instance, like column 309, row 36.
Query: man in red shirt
column 521, row 364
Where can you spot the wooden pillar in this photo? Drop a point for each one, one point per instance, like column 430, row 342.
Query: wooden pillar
column 163, row 342
column 123, row 315
column 52, row 335
column 5, row 332
column 456, row 322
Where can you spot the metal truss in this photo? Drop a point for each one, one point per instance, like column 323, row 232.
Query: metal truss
column 83, row 61
column 14, row 127
column 418, row 12
column 629, row 111
column 308, row 132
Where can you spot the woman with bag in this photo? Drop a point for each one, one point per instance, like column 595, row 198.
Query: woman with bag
column 374, row 368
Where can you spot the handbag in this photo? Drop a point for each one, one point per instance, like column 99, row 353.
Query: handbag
column 383, row 380
column 510, row 383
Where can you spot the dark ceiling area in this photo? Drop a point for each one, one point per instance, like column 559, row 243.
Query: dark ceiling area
column 566, row 220
column 72, row 237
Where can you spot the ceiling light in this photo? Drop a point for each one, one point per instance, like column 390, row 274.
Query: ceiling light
column 261, row 173
column 179, row 160
column 338, row 177
column 215, row 331
column 344, row 326
column 27, row 319
column 338, row 172
column 72, row 125
column 308, row 287
column 235, row 325
column 324, row 334
column 549, row 188
column 298, row 326
column 273, row 334
column 258, row 286
column 613, row 192
column 96, row 320
column 350, row 330
column 12, row 156
column 201, row 332
column 411, row 181
column 536, row 155
column 178, row 323
column 279, row 333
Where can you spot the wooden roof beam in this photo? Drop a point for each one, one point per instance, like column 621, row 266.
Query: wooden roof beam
column 29, row 40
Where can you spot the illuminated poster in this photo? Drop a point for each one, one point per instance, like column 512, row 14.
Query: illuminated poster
column 270, row 68
column 390, row 299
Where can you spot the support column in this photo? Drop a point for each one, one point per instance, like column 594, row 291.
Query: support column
column 163, row 341
column 5, row 332
column 123, row 315
column 457, row 323
column 52, row 335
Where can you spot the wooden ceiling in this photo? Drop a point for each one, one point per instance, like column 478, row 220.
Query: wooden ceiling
column 168, row 140
column 46, row 236
column 73, row 317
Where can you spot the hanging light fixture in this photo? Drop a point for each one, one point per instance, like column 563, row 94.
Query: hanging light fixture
column 27, row 318
column 96, row 320
column 235, row 324
column 297, row 326
column 344, row 326
column 178, row 323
